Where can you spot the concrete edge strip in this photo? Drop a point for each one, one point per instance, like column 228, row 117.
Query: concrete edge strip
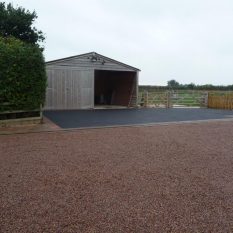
column 121, row 126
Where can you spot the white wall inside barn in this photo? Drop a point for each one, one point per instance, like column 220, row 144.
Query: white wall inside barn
column 69, row 88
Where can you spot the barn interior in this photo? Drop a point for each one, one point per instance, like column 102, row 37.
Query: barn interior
column 114, row 88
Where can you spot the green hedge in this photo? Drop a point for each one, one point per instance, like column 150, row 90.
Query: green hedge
column 22, row 75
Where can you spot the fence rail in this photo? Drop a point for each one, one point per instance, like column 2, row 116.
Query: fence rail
column 169, row 99
column 18, row 114
column 188, row 98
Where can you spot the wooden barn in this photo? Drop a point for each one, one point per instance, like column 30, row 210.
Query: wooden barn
column 88, row 81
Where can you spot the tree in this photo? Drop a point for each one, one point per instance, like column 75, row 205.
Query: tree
column 18, row 22
column 191, row 86
column 173, row 84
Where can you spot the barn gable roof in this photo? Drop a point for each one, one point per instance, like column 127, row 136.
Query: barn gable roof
column 93, row 57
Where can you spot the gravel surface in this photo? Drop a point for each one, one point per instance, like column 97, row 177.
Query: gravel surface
column 174, row 178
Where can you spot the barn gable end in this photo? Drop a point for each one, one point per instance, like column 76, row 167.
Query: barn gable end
column 89, row 61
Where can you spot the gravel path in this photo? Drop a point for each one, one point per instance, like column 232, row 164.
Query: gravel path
column 175, row 178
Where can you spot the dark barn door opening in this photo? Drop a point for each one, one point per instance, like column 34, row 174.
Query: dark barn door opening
column 114, row 87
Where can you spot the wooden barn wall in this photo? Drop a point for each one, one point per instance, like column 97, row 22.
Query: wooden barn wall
column 69, row 89
column 134, row 92
column 83, row 63
column 124, row 87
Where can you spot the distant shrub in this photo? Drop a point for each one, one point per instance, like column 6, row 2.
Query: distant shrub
column 22, row 75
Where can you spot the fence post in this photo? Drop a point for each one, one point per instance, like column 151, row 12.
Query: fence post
column 145, row 99
column 41, row 114
column 206, row 101
column 168, row 105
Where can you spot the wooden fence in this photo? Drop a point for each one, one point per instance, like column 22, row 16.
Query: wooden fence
column 155, row 99
column 187, row 98
column 168, row 99
column 221, row 100
column 20, row 117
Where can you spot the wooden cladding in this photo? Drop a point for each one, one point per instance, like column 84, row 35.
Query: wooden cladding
column 69, row 89
column 83, row 62
column 80, row 89
column 220, row 100
column 78, row 82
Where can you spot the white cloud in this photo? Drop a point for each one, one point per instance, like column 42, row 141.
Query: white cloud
column 191, row 41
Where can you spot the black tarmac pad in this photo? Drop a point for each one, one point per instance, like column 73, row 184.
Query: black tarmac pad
column 115, row 117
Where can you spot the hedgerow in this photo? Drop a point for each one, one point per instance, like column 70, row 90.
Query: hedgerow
column 22, row 75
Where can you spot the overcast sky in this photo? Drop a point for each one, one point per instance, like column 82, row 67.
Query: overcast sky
column 186, row 40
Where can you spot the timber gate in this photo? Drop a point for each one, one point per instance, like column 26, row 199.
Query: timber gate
column 169, row 99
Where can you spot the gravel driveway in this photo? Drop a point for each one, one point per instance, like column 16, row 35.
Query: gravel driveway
column 174, row 178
